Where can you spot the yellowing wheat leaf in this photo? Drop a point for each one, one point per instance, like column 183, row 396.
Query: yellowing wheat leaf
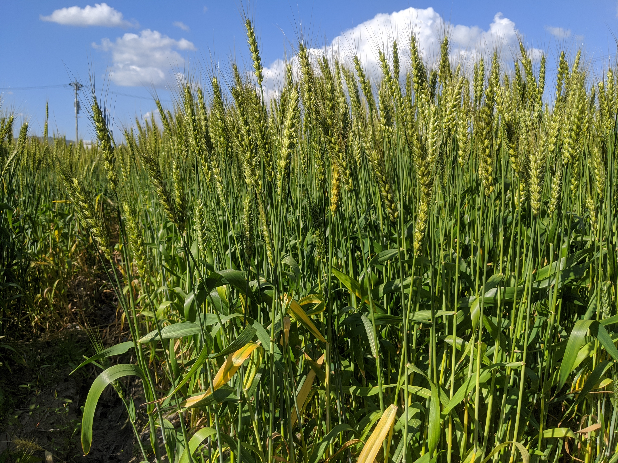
column 302, row 317
column 225, row 373
column 373, row 444
column 304, row 391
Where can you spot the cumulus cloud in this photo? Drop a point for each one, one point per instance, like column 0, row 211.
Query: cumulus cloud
column 180, row 25
column 145, row 58
column 101, row 14
column 467, row 43
column 558, row 32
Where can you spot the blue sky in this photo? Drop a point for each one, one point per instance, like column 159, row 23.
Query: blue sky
column 133, row 47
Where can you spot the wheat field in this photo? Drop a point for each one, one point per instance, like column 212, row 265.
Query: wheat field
column 420, row 268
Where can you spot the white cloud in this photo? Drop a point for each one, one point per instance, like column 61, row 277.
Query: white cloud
column 467, row 43
column 145, row 58
column 205, row 9
column 100, row 14
column 181, row 25
column 558, row 32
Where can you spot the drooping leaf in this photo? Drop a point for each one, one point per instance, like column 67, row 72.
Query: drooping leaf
column 174, row 331
column 108, row 376
column 383, row 256
column 576, row 342
column 243, row 338
column 225, row 373
column 304, row 391
column 302, row 317
column 195, row 441
column 118, row 349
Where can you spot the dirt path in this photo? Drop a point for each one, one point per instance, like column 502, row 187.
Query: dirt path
column 41, row 405
column 41, row 401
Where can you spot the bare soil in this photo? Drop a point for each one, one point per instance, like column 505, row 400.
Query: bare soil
column 41, row 401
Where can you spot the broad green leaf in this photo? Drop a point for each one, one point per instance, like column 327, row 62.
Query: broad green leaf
column 195, row 441
column 424, row 316
column 262, row 334
column 355, row 288
column 427, row 459
column 353, row 285
column 441, row 394
column 574, row 344
column 108, row 376
column 491, row 284
column 433, row 428
column 385, row 319
column 243, row 338
column 118, row 349
column 600, row 332
column 583, row 354
column 558, row 433
column 212, row 319
column 609, row 321
column 177, row 330
column 383, row 256
column 238, row 280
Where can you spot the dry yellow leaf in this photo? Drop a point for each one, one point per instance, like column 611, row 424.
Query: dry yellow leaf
column 375, row 441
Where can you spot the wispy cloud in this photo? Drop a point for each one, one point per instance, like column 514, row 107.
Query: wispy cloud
column 101, row 14
column 558, row 32
column 180, row 25
column 467, row 43
column 146, row 58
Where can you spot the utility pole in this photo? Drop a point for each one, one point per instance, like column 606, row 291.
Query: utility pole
column 77, row 86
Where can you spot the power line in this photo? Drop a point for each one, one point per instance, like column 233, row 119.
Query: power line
column 40, row 87
column 35, row 87
column 135, row 96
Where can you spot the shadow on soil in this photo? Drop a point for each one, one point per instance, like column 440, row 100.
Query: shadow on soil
column 41, row 402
